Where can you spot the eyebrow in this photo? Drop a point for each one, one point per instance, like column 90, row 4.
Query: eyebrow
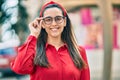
column 47, row 17
column 52, row 17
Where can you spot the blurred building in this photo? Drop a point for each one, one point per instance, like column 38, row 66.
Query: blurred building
column 86, row 19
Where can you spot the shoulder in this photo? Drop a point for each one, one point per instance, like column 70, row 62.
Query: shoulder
column 83, row 53
column 82, row 50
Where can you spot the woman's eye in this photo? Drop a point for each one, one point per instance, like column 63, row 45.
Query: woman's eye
column 48, row 19
column 58, row 18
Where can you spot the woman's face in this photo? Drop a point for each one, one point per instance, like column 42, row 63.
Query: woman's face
column 53, row 22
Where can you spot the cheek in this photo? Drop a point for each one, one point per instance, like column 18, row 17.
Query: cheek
column 48, row 31
column 45, row 26
column 61, row 29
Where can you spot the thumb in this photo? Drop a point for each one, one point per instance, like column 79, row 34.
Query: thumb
column 39, row 20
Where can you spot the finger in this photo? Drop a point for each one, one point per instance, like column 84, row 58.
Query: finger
column 39, row 19
column 40, row 24
column 35, row 23
column 31, row 24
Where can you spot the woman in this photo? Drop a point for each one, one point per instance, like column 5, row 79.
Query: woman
column 56, row 55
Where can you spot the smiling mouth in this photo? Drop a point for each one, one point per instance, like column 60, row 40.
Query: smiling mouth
column 54, row 29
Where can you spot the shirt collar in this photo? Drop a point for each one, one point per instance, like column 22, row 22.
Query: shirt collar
column 47, row 45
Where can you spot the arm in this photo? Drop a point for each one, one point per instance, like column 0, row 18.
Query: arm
column 23, row 64
column 85, row 73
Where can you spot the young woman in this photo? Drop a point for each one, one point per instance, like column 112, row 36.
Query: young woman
column 51, row 51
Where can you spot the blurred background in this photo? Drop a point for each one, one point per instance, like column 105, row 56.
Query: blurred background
column 96, row 24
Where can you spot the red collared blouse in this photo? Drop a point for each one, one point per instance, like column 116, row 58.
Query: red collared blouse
column 62, row 66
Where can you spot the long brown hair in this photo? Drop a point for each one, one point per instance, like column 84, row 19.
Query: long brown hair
column 67, row 36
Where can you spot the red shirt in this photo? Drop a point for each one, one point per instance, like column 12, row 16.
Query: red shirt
column 62, row 66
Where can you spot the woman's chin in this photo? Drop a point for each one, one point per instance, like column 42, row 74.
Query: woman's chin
column 55, row 35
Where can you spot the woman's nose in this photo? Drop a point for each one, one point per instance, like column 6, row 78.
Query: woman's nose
column 54, row 22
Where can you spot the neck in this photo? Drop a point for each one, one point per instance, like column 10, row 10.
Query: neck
column 56, row 41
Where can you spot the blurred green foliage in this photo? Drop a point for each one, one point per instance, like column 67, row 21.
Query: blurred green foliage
column 20, row 26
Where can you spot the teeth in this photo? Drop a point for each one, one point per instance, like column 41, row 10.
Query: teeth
column 54, row 29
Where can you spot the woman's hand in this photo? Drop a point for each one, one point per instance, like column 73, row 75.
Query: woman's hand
column 35, row 27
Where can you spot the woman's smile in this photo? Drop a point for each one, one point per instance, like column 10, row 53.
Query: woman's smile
column 54, row 29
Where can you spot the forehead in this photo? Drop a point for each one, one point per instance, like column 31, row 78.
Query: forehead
column 52, row 12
